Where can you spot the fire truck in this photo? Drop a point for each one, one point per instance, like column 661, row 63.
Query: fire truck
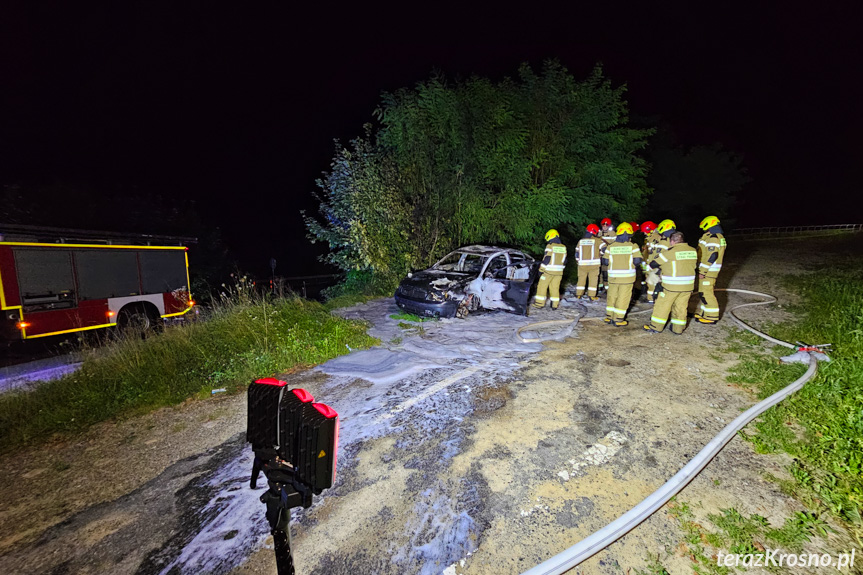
column 57, row 281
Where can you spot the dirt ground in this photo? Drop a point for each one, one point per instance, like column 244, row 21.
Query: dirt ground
column 493, row 473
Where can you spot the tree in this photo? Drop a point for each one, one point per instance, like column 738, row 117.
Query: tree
column 479, row 161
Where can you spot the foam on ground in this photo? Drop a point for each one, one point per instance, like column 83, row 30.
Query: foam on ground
column 377, row 393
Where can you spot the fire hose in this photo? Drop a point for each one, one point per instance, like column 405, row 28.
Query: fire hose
column 601, row 539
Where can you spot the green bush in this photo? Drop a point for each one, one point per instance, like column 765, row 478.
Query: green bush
column 479, row 161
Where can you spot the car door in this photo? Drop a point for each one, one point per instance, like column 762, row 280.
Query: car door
column 517, row 278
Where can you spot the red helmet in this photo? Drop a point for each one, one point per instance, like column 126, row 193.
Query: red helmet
column 593, row 229
column 605, row 222
column 635, row 226
column 648, row 227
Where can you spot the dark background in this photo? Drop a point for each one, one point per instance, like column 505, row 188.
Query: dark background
column 237, row 109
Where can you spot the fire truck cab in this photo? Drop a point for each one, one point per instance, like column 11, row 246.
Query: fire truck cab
column 55, row 281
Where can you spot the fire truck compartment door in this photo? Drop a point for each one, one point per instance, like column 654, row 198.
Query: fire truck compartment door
column 43, row 272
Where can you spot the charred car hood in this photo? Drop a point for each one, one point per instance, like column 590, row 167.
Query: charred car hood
column 440, row 281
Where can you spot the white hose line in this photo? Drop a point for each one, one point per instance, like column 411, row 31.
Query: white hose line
column 558, row 335
column 744, row 325
column 564, row 332
column 601, row 539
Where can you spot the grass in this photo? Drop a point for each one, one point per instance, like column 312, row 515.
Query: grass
column 245, row 337
column 654, row 567
column 697, row 541
column 821, row 426
column 734, row 533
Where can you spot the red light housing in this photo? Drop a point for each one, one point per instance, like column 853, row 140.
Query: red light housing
column 23, row 325
column 303, row 395
column 325, row 410
column 272, row 381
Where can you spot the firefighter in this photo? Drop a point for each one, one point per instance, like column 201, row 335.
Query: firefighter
column 639, row 274
column 664, row 229
column 651, row 236
column 587, row 255
column 676, row 266
column 607, row 239
column 712, row 247
column 551, row 269
column 621, row 258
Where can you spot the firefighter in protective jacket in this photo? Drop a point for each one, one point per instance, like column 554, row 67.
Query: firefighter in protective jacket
column 621, row 257
column 551, row 269
column 676, row 266
column 607, row 230
column 587, row 255
column 662, row 243
column 651, row 236
column 712, row 247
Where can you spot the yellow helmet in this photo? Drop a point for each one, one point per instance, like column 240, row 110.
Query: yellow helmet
column 550, row 234
column 666, row 225
column 708, row 223
column 624, row 228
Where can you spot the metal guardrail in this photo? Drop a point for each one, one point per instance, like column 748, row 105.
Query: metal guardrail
column 794, row 230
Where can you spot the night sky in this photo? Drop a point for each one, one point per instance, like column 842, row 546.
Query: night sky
column 237, row 109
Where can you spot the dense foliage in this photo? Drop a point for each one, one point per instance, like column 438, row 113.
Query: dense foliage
column 479, row 161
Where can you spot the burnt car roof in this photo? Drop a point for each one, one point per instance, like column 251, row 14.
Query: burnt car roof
column 485, row 250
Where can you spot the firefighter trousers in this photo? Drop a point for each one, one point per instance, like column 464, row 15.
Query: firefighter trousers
column 548, row 284
column 709, row 308
column 617, row 301
column 588, row 280
column 673, row 303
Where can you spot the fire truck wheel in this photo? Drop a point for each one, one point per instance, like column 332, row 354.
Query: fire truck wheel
column 136, row 319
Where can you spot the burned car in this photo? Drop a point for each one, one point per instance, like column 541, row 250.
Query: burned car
column 468, row 279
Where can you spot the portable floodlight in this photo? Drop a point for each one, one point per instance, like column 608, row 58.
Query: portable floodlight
column 317, row 447
column 294, row 407
column 295, row 441
column 262, row 427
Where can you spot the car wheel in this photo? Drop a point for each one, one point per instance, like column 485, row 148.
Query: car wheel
column 465, row 307
column 462, row 311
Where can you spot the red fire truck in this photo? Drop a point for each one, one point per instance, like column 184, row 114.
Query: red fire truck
column 55, row 281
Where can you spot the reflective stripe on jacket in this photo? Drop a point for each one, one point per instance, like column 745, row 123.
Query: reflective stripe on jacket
column 650, row 244
column 587, row 252
column 622, row 258
column 554, row 260
column 711, row 244
column 677, row 267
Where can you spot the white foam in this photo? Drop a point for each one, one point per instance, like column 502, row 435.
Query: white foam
column 376, row 392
